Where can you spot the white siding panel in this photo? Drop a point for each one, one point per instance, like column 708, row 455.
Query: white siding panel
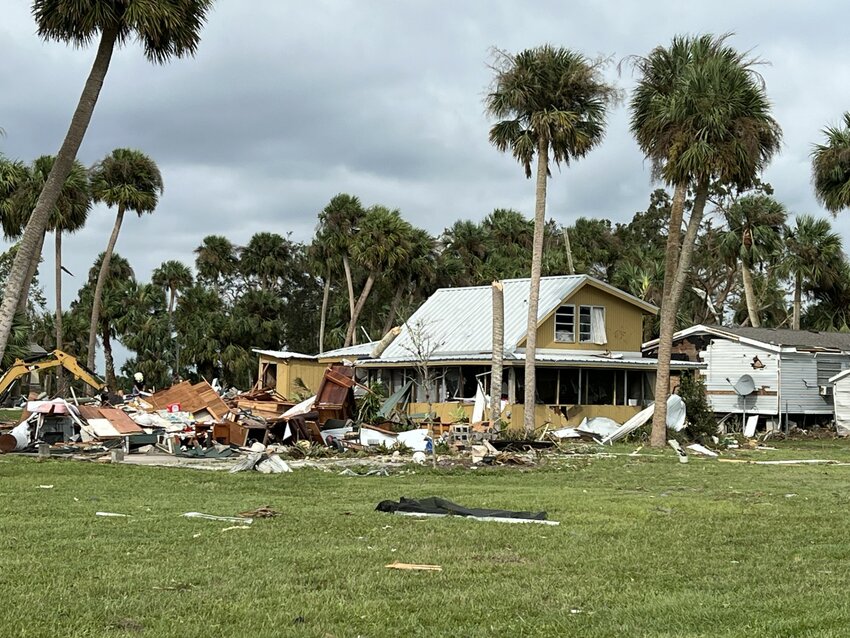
column 800, row 385
column 726, row 361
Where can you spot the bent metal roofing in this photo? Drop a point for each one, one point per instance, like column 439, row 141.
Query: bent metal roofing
column 459, row 321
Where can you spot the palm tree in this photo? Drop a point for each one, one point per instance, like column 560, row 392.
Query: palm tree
column 112, row 285
column 754, row 237
column 699, row 113
column 813, row 256
column 321, row 259
column 547, row 101
column 173, row 276
column 130, row 180
column 831, row 168
column 267, row 257
column 463, row 253
column 381, row 245
column 417, row 272
column 165, row 29
column 339, row 223
column 20, row 187
column 216, row 260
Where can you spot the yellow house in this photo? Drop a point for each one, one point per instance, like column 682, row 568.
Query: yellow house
column 589, row 360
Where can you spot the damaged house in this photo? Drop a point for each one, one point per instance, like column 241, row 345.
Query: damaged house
column 589, row 361
column 792, row 372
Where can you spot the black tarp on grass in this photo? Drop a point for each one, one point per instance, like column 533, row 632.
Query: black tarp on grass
column 440, row 506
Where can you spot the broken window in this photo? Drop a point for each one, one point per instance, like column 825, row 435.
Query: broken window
column 547, row 386
column 599, row 387
column 568, row 386
column 827, row 368
column 470, row 379
column 269, row 375
column 565, row 324
column 591, row 322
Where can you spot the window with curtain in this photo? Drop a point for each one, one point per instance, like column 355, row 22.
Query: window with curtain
column 591, row 325
column 565, row 324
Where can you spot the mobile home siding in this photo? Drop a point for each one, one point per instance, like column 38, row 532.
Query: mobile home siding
column 726, row 362
column 800, row 383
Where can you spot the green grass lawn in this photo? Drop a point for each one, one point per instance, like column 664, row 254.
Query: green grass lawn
column 646, row 547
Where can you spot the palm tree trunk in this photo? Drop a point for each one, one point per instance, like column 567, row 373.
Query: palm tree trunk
column 34, row 232
column 750, row 295
column 668, row 318
column 798, row 298
column 570, row 268
column 347, row 267
column 358, row 308
column 23, row 300
column 393, row 313
column 172, row 297
column 662, row 384
column 107, row 355
column 498, row 353
column 101, row 281
column 324, row 318
column 534, row 287
column 60, row 373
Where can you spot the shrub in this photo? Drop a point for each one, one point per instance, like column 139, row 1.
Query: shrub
column 701, row 422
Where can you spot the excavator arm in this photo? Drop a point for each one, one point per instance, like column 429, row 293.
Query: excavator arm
column 55, row 359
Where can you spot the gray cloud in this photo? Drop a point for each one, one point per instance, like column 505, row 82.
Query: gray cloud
column 290, row 103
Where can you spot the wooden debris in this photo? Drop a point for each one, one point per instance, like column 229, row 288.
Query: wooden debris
column 414, row 567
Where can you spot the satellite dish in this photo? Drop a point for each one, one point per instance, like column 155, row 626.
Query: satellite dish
column 745, row 385
column 676, row 413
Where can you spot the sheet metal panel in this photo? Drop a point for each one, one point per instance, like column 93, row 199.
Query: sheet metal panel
column 800, row 383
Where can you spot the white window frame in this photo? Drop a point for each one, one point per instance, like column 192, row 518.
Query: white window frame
column 588, row 337
column 557, row 340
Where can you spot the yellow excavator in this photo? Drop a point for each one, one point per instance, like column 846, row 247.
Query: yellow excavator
column 54, row 359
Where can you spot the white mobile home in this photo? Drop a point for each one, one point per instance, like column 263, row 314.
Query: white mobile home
column 791, row 369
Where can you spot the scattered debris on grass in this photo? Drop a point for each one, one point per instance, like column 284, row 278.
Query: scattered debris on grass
column 414, row 567
column 223, row 519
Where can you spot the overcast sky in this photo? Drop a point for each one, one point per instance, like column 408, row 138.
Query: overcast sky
column 289, row 103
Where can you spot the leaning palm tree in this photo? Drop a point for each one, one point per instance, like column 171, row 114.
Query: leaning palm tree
column 831, row 168
column 129, row 180
column 548, row 101
column 813, row 256
column 699, row 113
column 164, row 28
column 753, row 237
column 382, row 245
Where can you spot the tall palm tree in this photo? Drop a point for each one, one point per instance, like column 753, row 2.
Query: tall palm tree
column 831, row 167
column 699, row 113
column 129, row 180
column 548, row 101
column 754, row 237
column 417, row 272
column 382, row 244
column 164, row 28
column 813, row 257
column 339, row 223
column 20, row 187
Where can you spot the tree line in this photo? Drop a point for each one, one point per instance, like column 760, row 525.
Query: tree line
column 699, row 112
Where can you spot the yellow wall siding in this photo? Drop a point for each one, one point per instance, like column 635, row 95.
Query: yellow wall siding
column 310, row 372
column 623, row 323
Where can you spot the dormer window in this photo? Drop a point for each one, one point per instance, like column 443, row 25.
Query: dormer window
column 565, row 324
column 591, row 322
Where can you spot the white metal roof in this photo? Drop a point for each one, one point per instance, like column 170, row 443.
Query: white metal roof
column 283, row 354
column 543, row 358
column 459, row 321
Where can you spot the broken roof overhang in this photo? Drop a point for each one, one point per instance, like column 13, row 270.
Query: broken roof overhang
column 739, row 335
